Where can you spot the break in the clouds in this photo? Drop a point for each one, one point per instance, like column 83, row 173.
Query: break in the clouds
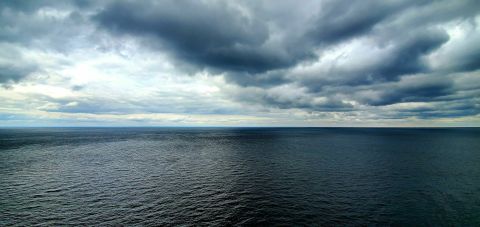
column 309, row 63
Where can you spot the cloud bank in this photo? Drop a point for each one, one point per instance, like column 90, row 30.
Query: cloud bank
column 318, row 63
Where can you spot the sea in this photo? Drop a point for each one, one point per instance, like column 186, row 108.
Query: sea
column 240, row 176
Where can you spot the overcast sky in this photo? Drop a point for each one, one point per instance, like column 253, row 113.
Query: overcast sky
column 240, row 63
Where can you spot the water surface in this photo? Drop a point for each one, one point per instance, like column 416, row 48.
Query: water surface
column 239, row 176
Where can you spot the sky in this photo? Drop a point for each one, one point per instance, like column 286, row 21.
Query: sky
column 240, row 63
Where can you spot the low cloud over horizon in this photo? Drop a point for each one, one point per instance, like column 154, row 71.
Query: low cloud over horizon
column 239, row 63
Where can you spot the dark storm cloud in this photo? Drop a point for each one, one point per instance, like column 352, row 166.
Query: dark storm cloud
column 220, row 36
column 330, row 104
column 467, row 60
column 204, row 34
column 340, row 20
column 287, row 97
column 266, row 79
column 405, row 59
column 414, row 89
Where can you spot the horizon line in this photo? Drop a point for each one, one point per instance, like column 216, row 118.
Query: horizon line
column 426, row 127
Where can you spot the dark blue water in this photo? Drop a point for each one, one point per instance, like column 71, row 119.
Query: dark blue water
column 243, row 176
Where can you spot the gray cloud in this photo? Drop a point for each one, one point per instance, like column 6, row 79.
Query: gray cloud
column 317, row 56
column 404, row 56
column 340, row 20
column 12, row 73
column 14, row 66
column 204, row 34
column 437, row 110
column 412, row 89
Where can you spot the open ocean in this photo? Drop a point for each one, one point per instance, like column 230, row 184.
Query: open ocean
column 239, row 176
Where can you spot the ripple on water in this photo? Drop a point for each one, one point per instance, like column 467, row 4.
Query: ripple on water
column 240, row 176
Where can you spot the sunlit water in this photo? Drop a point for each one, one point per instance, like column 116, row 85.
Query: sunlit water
column 243, row 176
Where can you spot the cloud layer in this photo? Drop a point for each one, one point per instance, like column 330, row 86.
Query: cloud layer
column 251, row 62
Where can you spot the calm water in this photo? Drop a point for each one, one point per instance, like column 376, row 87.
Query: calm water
column 243, row 176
